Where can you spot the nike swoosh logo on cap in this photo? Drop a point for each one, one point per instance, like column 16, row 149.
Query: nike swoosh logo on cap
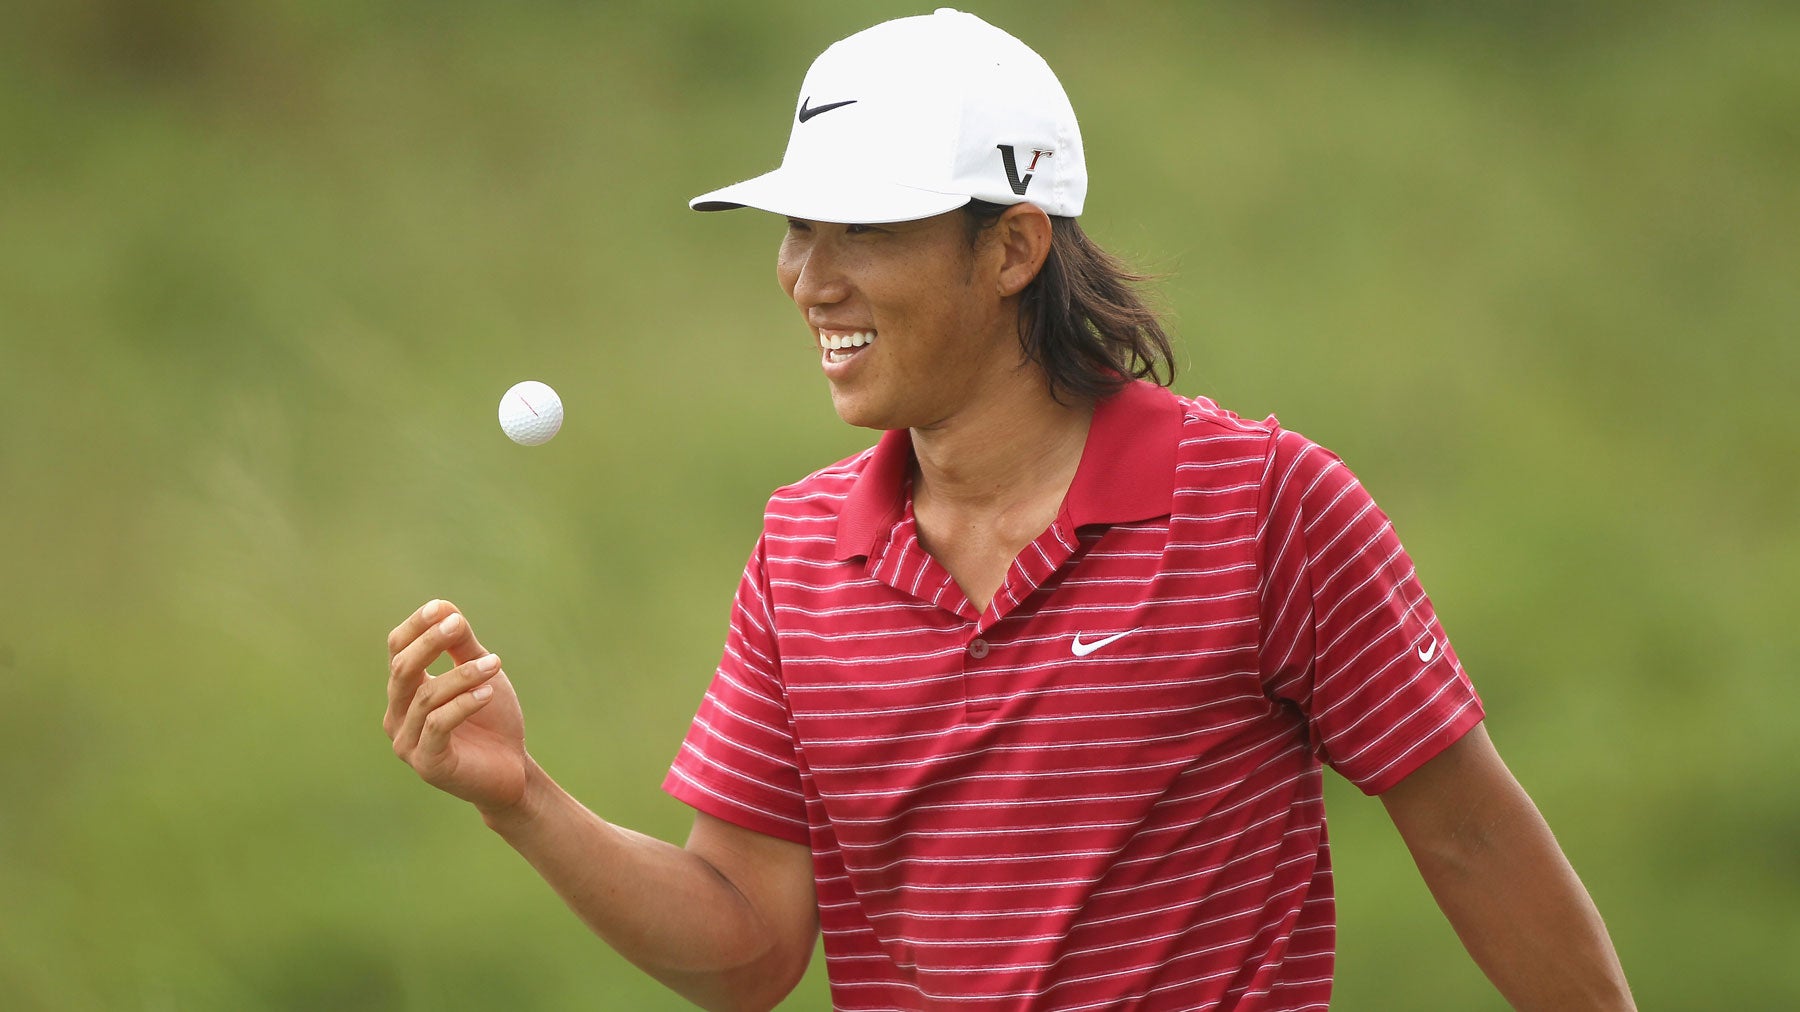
column 1081, row 649
column 807, row 113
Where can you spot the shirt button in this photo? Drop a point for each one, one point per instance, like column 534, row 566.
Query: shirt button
column 978, row 648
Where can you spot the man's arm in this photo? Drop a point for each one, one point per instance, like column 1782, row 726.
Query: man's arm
column 728, row 921
column 1503, row 882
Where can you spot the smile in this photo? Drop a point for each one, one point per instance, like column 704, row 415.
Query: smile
column 839, row 347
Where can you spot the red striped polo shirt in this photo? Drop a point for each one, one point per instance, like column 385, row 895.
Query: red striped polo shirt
column 1104, row 791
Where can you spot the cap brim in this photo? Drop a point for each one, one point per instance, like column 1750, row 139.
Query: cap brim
column 834, row 198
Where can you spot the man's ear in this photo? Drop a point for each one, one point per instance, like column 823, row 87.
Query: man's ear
column 1023, row 231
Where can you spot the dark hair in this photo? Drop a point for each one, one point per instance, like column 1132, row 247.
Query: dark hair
column 1081, row 318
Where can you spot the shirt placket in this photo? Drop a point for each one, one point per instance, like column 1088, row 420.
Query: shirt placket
column 989, row 653
column 903, row 564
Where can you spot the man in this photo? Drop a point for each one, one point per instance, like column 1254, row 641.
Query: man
column 1025, row 706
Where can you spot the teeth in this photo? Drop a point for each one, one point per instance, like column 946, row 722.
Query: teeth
column 839, row 342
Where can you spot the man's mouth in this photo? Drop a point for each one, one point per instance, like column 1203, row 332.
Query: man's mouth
column 838, row 347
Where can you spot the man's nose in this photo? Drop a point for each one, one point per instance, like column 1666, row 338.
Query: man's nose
column 818, row 278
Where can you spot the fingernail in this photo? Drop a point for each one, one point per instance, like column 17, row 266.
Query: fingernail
column 449, row 625
column 430, row 610
column 488, row 663
column 482, row 691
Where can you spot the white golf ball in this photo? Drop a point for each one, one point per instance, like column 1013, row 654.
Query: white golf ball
column 531, row 413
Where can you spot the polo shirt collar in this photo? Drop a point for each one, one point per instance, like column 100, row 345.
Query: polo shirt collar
column 1127, row 471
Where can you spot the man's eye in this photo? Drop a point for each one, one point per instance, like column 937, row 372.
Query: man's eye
column 860, row 229
column 796, row 225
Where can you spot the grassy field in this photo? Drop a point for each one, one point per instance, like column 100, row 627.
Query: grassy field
column 268, row 268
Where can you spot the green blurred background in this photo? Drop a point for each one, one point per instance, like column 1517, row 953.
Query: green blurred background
column 267, row 268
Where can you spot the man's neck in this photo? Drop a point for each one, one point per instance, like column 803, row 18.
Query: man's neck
column 992, row 479
column 1011, row 450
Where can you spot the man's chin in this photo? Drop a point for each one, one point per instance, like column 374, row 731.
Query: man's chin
column 861, row 413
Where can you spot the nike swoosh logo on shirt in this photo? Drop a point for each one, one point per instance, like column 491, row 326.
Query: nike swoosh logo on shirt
column 1081, row 649
column 1426, row 653
column 808, row 113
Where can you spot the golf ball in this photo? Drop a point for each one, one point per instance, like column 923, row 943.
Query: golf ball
column 531, row 413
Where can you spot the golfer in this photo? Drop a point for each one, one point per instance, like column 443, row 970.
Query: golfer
column 1026, row 706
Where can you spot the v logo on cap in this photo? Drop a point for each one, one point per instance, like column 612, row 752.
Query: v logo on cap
column 1013, row 179
column 808, row 113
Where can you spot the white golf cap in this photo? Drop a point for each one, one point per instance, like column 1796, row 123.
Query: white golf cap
column 918, row 116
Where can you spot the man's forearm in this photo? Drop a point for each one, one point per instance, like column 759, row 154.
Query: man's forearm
column 666, row 909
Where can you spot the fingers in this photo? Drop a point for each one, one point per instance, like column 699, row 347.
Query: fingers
column 405, row 670
column 416, row 623
column 441, row 704
column 436, row 628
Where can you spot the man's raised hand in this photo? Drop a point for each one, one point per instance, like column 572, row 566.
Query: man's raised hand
column 463, row 730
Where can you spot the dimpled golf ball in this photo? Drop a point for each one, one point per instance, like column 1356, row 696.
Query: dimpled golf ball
column 530, row 413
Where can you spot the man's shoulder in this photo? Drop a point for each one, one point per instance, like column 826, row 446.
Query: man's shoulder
column 1206, row 425
column 1203, row 414
column 821, row 493
column 1212, row 434
column 1221, row 450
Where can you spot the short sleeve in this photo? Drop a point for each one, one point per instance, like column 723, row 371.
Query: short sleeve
column 1348, row 636
column 738, row 760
